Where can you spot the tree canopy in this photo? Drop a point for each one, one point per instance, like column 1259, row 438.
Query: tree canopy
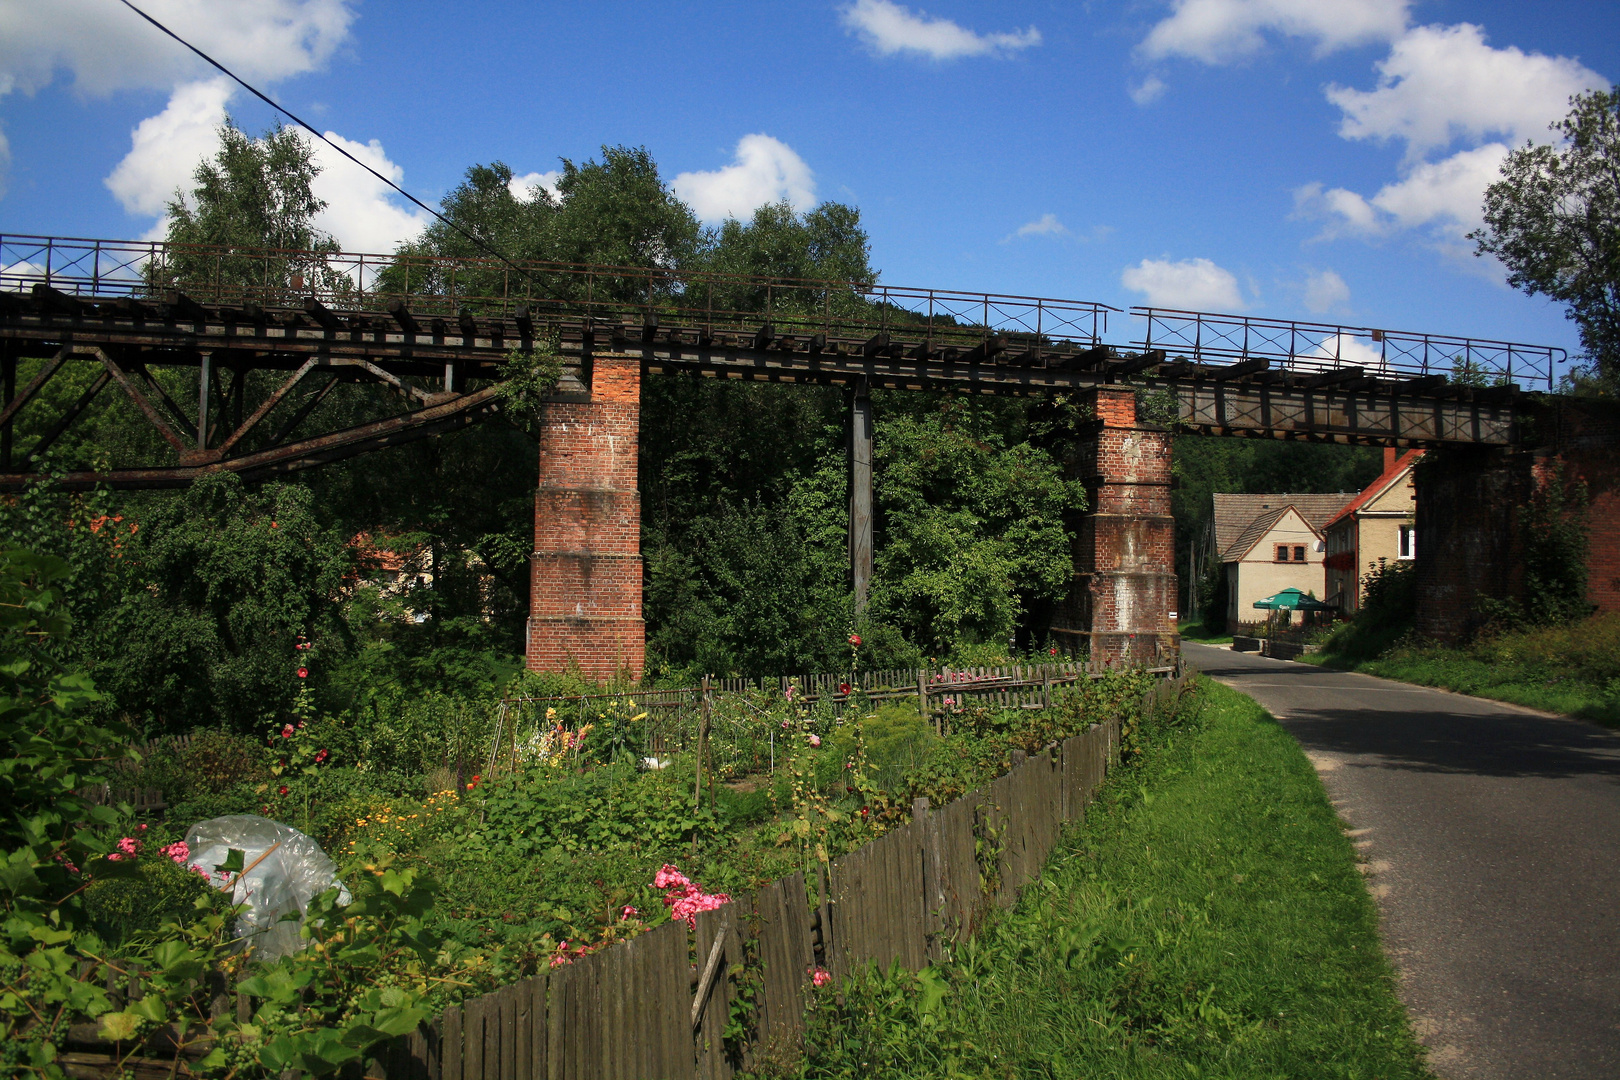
column 1554, row 221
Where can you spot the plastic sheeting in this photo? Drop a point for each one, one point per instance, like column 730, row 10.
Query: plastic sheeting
column 283, row 871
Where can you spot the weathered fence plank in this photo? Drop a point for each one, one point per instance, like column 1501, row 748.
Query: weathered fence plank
column 788, row 957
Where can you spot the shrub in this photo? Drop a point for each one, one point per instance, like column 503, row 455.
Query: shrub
column 895, row 741
column 142, row 896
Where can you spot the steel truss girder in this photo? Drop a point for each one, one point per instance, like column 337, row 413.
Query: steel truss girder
column 398, row 353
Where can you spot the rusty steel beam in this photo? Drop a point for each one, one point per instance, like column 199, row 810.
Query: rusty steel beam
column 462, row 411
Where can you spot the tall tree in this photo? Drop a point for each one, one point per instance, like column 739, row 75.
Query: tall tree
column 1554, row 221
column 254, row 193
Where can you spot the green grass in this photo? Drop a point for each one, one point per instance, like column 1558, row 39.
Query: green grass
column 1205, row 635
column 1207, row 920
column 1573, row 670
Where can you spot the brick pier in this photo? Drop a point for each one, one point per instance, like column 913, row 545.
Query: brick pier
column 585, row 574
column 1124, row 583
column 1470, row 536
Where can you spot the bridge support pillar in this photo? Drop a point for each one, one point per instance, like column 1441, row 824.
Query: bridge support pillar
column 1472, row 540
column 1124, row 585
column 860, row 495
column 585, row 574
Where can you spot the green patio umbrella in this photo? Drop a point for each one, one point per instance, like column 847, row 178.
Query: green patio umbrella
column 1291, row 600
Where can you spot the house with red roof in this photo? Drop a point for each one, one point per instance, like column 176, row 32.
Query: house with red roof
column 1377, row 525
column 1269, row 542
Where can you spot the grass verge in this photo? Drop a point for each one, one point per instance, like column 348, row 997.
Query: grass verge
column 1207, row 920
column 1204, row 635
column 1573, row 670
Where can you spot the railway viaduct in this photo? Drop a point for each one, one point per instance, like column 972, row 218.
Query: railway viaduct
column 265, row 344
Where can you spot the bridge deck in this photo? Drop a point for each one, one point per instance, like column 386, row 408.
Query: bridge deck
column 102, row 303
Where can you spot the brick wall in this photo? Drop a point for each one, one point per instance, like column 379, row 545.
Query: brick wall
column 1124, row 584
column 585, row 575
column 1468, row 502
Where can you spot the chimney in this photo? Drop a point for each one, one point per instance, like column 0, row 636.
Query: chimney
column 1390, row 454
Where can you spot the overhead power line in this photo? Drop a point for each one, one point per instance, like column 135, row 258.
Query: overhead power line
column 244, row 84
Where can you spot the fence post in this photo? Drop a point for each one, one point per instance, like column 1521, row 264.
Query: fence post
column 922, row 699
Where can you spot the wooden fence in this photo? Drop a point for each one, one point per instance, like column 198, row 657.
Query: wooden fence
column 656, row 1006
column 676, row 717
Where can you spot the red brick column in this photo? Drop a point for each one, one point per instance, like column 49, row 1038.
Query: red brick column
column 1469, row 532
column 585, row 575
column 1124, row 585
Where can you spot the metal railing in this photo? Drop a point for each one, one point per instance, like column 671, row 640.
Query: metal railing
column 434, row 285
column 710, row 301
column 1318, row 347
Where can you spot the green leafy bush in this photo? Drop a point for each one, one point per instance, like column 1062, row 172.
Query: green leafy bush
column 153, row 890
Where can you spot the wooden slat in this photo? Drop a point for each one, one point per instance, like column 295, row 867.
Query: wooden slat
column 473, row 1018
column 539, row 990
column 557, row 1022
column 712, row 1060
column 788, row 956
column 451, row 1048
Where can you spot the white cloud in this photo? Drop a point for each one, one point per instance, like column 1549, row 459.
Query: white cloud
column 165, row 149
column 362, row 212
column 1441, row 83
column 106, row 47
column 1325, row 291
column 1045, row 225
column 765, row 170
column 1350, row 350
column 1151, row 90
column 889, row 28
column 523, row 187
column 1220, row 31
column 1445, row 197
column 1192, row 284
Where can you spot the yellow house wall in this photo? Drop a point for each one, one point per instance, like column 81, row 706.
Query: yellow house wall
column 1260, row 575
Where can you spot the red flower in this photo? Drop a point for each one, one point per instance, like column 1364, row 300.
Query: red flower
column 282, row 790
column 854, row 639
column 320, row 757
column 843, row 688
column 1052, row 650
column 287, row 732
column 303, row 673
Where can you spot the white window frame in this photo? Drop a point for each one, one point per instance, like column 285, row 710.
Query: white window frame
column 1406, row 542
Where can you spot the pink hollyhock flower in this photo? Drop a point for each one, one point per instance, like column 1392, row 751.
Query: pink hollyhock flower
column 815, row 740
column 788, row 693
column 303, row 673
column 287, row 731
column 670, row 878
column 320, row 757
column 628, row 912
column 819, row 976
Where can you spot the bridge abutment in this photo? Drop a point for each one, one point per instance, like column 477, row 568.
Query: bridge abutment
column 1471, row 536
column 585, row 575
column 1124, row 585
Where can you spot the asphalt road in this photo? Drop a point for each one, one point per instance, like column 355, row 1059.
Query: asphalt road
column 1492, row 840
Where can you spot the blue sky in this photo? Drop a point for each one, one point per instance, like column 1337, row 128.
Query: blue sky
column 1299, row 158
